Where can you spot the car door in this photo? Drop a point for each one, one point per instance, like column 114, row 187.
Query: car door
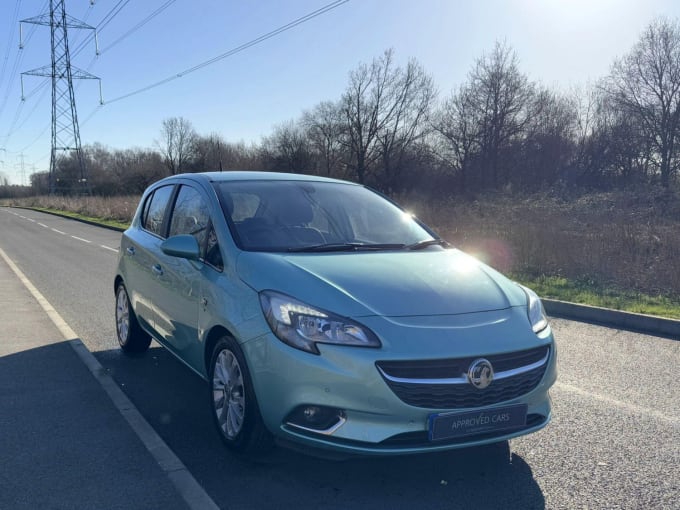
column 140, row 247
column 180, row 281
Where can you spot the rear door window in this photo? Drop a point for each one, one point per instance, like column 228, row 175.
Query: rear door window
column 154, row 211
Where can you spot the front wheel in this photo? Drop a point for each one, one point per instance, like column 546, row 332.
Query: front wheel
column 234, row 406
column 131, row 337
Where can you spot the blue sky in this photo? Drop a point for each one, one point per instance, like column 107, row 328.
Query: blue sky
column 560, row 43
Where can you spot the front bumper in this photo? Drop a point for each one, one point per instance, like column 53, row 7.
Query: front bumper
column 374, row 419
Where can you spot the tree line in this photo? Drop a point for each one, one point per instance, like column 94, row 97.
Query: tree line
column 391, row 129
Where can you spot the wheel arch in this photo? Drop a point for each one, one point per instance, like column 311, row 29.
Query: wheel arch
column 215, row 333
column 117, row 281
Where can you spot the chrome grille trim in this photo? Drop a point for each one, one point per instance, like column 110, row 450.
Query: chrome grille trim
column 327, row 432
column 463, row 379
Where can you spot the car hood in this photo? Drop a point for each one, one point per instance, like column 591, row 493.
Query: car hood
column 391, row 284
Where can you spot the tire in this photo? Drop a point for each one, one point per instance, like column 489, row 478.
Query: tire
column 234, row 407
column 131, row 337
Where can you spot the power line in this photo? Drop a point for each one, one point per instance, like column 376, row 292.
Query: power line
column 18, row 59
column 139, row 25
column 10, row 80
column 40, row 135
column 15, row 15
column 112, row 14
column 108, row 17
column 33, row 92
column 262, row 38
column 130, row 32
column 84, row 19
column 45, row 89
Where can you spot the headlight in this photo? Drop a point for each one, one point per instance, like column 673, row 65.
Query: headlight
column 302, row 326
column 535, row 311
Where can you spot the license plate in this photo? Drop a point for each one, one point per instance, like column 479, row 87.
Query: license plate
column 452, row 425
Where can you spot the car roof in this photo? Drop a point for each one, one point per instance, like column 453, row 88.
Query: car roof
column 238, row 175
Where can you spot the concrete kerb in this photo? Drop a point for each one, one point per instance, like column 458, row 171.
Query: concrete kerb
column 649, row 324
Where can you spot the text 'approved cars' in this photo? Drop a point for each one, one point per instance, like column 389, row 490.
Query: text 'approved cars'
column 320, row 313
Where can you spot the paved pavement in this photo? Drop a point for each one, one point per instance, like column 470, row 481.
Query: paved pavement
column 63, row 442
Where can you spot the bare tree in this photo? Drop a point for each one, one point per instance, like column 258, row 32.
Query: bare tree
column 176, row 143
column 238, row 156
column 482, row 126
column 287, row 150
column 325, row 132
column 385, row 111
column 207, row 153
column 548, row 140
column 367, row 107
column 618, row 150
column 645, row 85
column 410, row 100
column 134, row 169
column 500, row 96
column 458, row 127
column 213, row 152
column 40, row 183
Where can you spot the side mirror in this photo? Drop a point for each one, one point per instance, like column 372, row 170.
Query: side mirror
column 183, row 246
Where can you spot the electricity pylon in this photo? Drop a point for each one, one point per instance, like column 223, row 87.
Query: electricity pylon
column 65, row 130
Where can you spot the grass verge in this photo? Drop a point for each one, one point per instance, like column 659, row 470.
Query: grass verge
column 594, row 294
column 82, row 217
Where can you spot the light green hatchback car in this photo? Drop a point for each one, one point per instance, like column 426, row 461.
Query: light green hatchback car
column 323, row 315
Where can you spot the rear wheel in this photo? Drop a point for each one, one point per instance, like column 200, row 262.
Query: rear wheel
column 234, row 406
column 131, row 336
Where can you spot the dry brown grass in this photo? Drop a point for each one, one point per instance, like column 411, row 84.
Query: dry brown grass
column 629, row 240
column 120, row 208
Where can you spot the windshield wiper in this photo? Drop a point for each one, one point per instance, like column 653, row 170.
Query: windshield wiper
column 345, row 247
column 428, row 242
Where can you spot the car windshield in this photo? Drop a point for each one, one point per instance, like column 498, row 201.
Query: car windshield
column 304, row 216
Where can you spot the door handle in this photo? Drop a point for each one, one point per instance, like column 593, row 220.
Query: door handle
column 157, row 270
column 131, row 250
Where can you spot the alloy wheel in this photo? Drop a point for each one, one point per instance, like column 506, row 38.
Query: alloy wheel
column 122, row 315
column 228, row 393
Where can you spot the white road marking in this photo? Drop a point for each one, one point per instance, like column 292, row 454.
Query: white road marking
column 115, row 250
column 64, row 328
column 618, row 403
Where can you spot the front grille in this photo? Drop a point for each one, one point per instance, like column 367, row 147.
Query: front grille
column 434, row 395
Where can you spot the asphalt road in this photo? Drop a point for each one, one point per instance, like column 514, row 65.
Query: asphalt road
column 614, row 441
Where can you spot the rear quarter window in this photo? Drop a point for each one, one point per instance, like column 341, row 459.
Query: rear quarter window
column 155, row 208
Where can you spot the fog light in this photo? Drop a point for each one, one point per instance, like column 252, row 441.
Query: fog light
column 320, row 419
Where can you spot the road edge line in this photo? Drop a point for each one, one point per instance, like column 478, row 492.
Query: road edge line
column 191, row 491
